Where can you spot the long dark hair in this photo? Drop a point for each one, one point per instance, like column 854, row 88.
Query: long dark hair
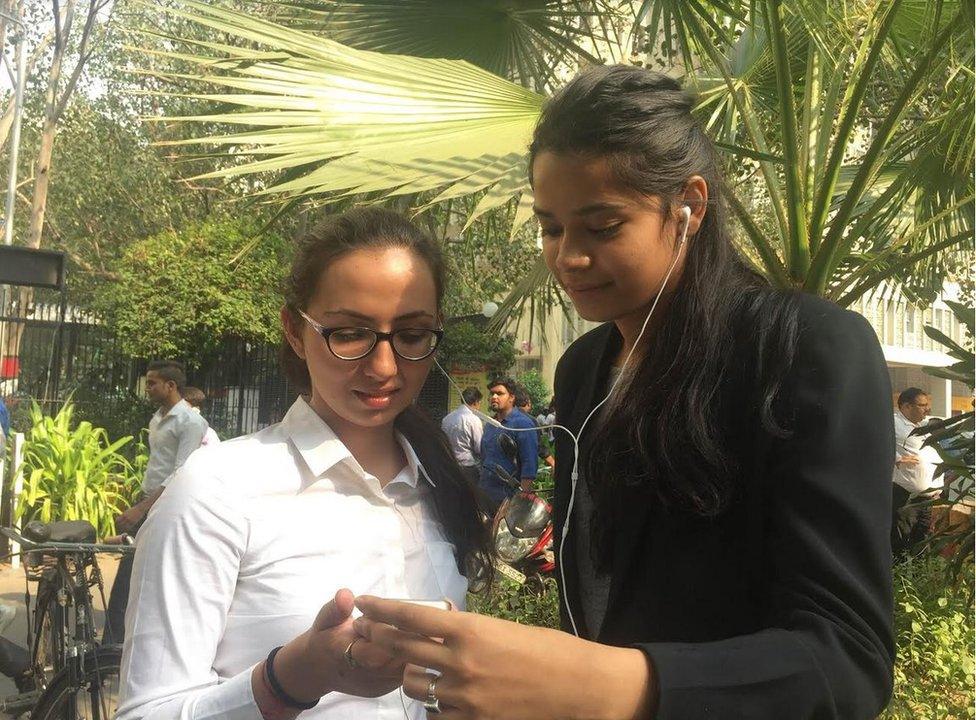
column 455, row 500
column 665, row 432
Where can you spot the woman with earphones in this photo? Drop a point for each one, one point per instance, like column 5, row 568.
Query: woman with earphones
column 723, row 519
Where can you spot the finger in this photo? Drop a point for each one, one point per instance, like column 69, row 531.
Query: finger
column 404, row 646
column 447, row 712
column 412, row 618
column 417, row 682
column 336, row 611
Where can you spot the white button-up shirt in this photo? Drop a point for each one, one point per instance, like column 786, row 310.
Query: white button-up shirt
column 172, row 437
column 464, row 430
column 918, row 477
column 246, row 544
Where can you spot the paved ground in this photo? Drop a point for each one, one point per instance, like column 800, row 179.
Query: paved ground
column 12, row 591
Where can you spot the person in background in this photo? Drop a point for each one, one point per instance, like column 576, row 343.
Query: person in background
column 464, row 429
column 501, row 399
column 547, row 418
column 523, row 401
column 913, row 472
column 196, row 397
column 175, row 431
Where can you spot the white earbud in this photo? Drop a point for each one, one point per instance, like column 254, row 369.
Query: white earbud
column 686, row 214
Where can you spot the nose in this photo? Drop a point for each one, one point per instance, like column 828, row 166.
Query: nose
column 572, row 255
column 381, row 363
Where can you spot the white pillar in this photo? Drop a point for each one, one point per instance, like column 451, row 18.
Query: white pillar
column 17, row 459
column 941, row 394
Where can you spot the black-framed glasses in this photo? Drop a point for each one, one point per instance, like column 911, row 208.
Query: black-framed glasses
column 355, row 343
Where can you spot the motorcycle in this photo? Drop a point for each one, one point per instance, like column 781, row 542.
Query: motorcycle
column 521, row 530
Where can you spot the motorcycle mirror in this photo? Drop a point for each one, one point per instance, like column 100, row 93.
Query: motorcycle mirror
column 509, row 446
column 506, row 477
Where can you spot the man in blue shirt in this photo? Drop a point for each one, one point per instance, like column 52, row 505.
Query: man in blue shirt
column 501, row 400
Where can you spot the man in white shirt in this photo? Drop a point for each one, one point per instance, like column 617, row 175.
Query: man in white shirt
column 175, row 431
column 913, row 470
column 464, row 429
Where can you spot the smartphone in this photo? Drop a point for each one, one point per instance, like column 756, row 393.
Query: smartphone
column 437, row 604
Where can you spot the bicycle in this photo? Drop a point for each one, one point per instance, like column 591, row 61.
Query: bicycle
column 74, row 677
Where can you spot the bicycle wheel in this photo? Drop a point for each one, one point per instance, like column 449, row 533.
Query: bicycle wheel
column 94, row 696
column 50, row 631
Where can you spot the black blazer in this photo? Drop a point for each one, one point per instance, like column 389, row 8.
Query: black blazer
column 781, row 608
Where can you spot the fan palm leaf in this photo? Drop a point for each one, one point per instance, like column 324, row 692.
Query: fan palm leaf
column 360, row 121
column 523, row 40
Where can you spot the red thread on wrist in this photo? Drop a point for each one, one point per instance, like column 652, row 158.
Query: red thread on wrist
column 273, row 708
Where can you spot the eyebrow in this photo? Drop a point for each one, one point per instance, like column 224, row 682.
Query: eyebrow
column 406, row 316
column 585, row 210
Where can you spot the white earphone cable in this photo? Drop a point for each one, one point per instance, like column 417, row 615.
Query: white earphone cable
column 574, row 475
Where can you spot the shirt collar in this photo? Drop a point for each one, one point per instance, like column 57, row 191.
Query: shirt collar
column 513, row 416
column 899, row 416
column 179, row 408
column 414, row 467
column 316, row 442
column 321, row 448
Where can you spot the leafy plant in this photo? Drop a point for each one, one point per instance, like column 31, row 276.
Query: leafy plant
column 119, row 410
column 934, row 638
column 524, row 40
column 181, row 293
column 468, row 347
column 132, row 486
column 537, row 389
column 73, row 472
column 526, row 604
column 849, row 125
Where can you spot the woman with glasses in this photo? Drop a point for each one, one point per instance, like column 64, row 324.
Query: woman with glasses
column 243, row 585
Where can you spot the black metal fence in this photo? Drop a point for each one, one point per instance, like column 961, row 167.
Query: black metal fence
column 64, row 353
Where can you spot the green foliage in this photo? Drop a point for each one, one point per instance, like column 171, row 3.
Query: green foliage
column 483, row 262
column 537, row 37
column 73, row 472
column 538, row 391
column 180, row 294
column 467, row 347
column 934, row 635
column 118, row 410
column 140, row 461
column 109, row 187
column 526, row 604
column 848, row 126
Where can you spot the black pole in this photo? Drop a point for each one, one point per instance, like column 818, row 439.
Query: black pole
column 58, row 342
column 240, row 390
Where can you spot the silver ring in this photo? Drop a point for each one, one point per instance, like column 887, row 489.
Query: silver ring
column 350, row 660
column 432, row 704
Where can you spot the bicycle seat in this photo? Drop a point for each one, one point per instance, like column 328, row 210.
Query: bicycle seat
column 62, row 531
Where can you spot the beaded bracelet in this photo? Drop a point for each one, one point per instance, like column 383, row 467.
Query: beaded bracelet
column 278, row 691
